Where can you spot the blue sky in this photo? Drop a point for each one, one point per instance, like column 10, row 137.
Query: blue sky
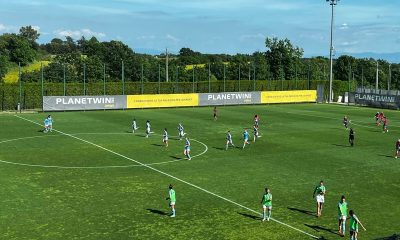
column 213, row 26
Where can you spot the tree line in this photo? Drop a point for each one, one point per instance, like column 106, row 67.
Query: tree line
column 94, row 61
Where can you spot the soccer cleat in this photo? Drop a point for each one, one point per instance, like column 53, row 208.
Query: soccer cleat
column 268, row 219
column 263, row 219
column 172, row 216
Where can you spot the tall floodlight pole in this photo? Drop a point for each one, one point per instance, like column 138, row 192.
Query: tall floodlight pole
column 159, row 79
column 362, row 79
column 224, row 79
column 20, row 87
column 390, row 76
column 64, row 81
column 166, row 64
column 377, row 76
column 123, row 77
column 104, row 78
column 41, row 79
column 333, row 3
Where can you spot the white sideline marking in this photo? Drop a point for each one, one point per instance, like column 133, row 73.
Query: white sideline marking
column 169, row 175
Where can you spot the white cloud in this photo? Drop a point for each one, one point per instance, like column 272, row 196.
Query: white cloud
column 94, row 9
column 252, row 36
column 37, row 28
column 344, row 26
column 87, row 33
column 7, row 28
column 172, row 38
column 346, row 44
column 146, row 37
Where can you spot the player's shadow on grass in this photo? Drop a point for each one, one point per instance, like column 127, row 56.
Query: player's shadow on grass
column 388, row 156
column 219, row 148
column 157, row 145
column 393, row 237
column 250, row 216
column 175, row 157
column 319, row 229
column 302, row 211
column 340, row 145
column 155, row 211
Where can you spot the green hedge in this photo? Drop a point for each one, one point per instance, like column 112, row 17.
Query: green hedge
column 31, row 93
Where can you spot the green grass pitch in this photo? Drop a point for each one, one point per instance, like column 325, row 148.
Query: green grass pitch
column 91, row 185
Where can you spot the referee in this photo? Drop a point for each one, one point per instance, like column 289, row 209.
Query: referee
column 351, row 137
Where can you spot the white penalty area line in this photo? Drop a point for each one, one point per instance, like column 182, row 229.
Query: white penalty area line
column 173, row 177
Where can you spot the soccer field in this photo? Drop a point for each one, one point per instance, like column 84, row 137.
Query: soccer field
column 91, row 178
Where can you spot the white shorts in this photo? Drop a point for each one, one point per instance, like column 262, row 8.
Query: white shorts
column 320, row 198
column 172, row 203
column 267, row 207
column 342, row 218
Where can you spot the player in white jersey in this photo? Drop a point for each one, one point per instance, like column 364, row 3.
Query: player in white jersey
column 180, row 131
column 186, row 152
column 134, row 126
column 46, row 125
column 165, row 137
column 229, row 140
column 245, row 138
column 148, row 128
column 50, row 122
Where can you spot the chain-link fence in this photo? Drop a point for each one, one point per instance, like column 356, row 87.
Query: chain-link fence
column 59, row 79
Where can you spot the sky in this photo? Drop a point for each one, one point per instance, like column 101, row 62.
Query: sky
column 213, row 26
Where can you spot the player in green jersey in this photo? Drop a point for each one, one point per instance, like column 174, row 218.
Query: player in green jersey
column 342, row 213
column 319, row 195
column 354, row 222
column 172, row 200
column 266, row 202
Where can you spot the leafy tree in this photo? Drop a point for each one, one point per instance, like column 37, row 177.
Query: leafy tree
column 4, row 63
column 71, row 44
column 30, row 34
column 282, row 56
column 344, row 66
column 19, row 49
column 261, row 65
